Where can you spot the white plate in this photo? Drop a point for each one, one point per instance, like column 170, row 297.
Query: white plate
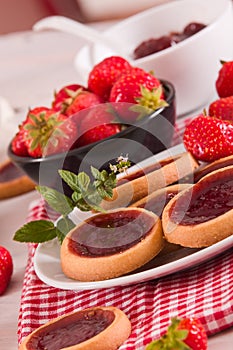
column 48, row 268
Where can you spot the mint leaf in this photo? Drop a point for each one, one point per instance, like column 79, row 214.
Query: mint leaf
column 83, row 181
column 76, row 197
column 36, row 232
column 70, row 178
column 64, row 225
column 104, row 193
column 96, row 173
column 56, row 200
column 93, row 198
column 86, row 196
column 83, row 205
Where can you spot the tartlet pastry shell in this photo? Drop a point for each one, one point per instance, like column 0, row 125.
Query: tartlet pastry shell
column 84, row 268
column 202, row 234
column 109, row 339
column 132, row 191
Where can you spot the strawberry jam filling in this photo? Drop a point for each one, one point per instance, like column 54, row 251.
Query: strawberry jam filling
column 9, row 172
column 111, row 233
column 71, row 330
column 207, row 200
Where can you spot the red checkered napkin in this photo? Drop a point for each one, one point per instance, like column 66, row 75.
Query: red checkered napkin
column 204, row 291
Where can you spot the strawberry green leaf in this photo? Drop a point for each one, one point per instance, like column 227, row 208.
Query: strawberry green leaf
column 56, row 200
column 36, row 232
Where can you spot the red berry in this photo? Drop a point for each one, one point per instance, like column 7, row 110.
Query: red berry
column 222, row 108
column 6, row 268
column 208, row 138
column 99, row 123
column 187, row 333
column 139, row 88
column 48, row 132
column 224, row 82
column 64, row 97
column 83, row 100
column 18, row 144
column 104, row 75
column 196, row 337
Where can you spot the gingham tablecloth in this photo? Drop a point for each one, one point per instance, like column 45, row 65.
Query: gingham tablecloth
column 204, row 291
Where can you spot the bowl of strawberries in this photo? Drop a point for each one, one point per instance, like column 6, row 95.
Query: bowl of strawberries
column 122, row 110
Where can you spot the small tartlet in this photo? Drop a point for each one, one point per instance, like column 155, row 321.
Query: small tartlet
column 206, row 230
column 146, row 243
column 110, row 338
column 150, row 179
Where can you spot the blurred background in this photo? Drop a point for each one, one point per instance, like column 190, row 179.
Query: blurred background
column 20, row 15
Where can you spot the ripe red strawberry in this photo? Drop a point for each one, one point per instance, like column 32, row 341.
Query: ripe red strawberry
column 48, row 132
column 224, row 82
column 183, row 334
column 6, row 268
column 222, row 108
column 82, row 100
column 209, row 138
column 99, row 123
column 64, row 97
column 140, row 88
column 104, row 75
column 18, row 144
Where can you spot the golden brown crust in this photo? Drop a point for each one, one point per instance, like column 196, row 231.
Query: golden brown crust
column 105, row 267
column 202, row 234
column 213, row 166
column 15, row 187
column 109, row 339
column 134, row 190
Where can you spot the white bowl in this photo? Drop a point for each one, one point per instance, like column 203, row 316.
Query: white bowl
column 192, row 65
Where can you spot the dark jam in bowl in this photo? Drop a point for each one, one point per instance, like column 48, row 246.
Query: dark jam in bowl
column 209, row 199
column 154, row 45
column 71, row 330
column 111, row 233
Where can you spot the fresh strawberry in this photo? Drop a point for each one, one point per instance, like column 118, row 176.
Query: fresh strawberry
column 183, row 334
column 6, row 268
column 139, row 88
column 224, row 82
column 64, row 97
column 104, row 75
column 48, row 132
column 82, row 100
column 18, row 144
column 222, row 108
column 98, row 123
column 209, row 138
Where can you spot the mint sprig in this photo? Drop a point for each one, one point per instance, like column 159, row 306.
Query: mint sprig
column 87, row 195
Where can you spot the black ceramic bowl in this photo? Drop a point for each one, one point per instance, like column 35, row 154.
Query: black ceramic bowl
column 149, row 136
